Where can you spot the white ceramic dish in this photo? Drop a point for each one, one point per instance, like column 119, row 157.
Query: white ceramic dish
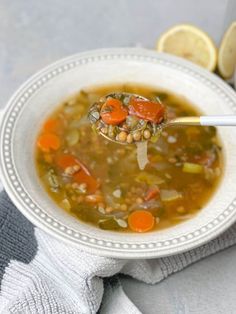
column 34, row 100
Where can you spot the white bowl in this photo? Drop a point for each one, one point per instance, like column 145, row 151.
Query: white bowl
column 34, row 100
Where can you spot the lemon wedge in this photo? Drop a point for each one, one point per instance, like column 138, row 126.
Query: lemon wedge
column 227, row 52
column 191, row 43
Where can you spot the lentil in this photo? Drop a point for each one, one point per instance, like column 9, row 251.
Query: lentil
column 109, row 209
column 181, row 210
column 137, row 136
column 139, row 200
column 123, row 207
column 146, row 134
column 72, row 170
column 122, row 136
column 129, row 138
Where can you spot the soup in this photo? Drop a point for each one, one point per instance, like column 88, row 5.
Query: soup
column 100, row 183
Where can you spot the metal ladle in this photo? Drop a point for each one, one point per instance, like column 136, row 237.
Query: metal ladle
column 213, row 120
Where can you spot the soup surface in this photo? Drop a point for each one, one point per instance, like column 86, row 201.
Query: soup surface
column 100, row 183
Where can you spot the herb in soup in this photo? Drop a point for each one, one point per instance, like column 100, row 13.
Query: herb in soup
column 100, row 183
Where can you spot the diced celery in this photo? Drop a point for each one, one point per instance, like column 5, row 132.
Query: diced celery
column 190, row 167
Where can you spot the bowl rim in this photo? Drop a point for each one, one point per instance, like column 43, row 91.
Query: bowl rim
column 88, row 243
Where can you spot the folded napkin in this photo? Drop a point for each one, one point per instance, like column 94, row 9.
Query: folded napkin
column 40, row 274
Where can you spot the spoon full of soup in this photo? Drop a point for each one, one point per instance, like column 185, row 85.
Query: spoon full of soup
column 127, row 118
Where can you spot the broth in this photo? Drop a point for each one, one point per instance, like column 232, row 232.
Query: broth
column 99, row 182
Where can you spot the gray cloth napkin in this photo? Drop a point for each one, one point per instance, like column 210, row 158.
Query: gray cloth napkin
column 39, row 274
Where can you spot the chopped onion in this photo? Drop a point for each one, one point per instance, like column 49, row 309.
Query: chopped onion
column 101, row 210
column 72, row 137
column 122, row 223
column 171, row 139
column 117, row 193
column 170, row 195
column 142, row 154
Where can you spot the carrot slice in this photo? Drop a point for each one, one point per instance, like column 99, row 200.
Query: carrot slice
column 153, row 192
column 51, row 125
column 48, row 141
column 147, row 110
column 113, row 112
column 82, row 176
column 66, row 160
column 141, row 221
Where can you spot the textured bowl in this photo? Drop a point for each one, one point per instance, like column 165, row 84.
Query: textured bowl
column 34, row 100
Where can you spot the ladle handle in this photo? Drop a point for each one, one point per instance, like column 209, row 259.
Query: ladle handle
column 228, row 120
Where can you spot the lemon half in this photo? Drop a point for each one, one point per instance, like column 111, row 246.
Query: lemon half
column 227, row 52
column 191, row 43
